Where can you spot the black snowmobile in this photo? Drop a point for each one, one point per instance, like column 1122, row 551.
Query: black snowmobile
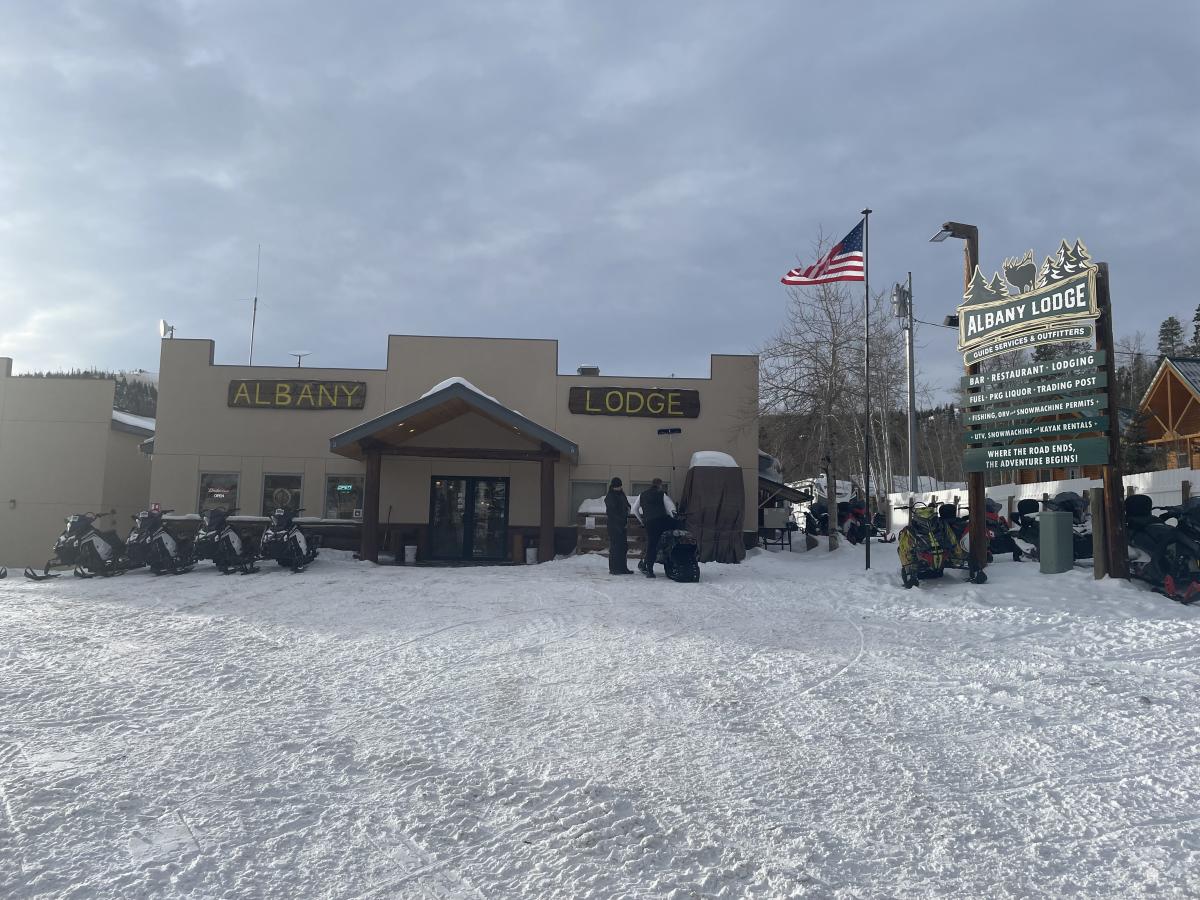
column 87, row 549
column 285, row 542
column 137, row 545
column 1164, row 556
column 678, row 553
column 929, row 544
column 165, row 552
column 1028, row 531
column 220, row 542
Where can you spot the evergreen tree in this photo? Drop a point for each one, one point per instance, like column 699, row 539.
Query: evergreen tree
column 1170, row 337
column 979, row 291
column 1082, row 258
column 1049, row 272
column 1194, row 348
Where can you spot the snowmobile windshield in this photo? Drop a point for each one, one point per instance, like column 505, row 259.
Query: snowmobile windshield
column 925, row 519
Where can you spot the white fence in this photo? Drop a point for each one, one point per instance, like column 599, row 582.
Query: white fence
column 1165, row 487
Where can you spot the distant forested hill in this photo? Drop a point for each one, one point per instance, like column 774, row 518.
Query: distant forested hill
column 135, row 393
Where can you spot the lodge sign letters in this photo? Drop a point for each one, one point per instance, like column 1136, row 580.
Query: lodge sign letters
column 255, row 394
column 650, row 403
column 1071, row 298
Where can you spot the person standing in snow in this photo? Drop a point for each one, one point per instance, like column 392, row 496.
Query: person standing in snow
column 616, row 507
column 656, row 512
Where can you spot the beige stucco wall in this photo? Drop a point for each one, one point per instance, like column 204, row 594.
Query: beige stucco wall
column 126, row 477
column 198, row 432
column 56, row 440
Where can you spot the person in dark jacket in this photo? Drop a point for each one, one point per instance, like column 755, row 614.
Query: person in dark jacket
column 656, row 512
column 616, row 507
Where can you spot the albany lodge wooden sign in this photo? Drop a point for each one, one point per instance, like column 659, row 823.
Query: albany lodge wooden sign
column 272, row 394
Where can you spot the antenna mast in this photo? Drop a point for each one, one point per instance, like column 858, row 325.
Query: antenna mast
column 254, row 307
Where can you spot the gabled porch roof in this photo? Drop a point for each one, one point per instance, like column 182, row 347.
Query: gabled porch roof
column 1172, row 402
column 391, row 433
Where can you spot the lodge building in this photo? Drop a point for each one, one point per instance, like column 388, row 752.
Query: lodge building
column 467, row 448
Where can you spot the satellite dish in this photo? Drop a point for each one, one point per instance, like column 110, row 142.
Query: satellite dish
column 165, row 330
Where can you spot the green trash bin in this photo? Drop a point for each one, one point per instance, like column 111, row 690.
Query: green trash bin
column 1056, row 543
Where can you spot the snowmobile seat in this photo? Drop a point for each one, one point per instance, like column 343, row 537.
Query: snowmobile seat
column 1139, row 511
column 1024, row 508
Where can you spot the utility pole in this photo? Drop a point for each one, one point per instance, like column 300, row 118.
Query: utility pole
column 902, row 308
column 911, row 359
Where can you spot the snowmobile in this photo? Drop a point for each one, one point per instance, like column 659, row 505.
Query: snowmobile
column 137, row 545
column 999, row 540
column 678, row 552
column 165, row 552
column 1164, row 556
column 220, row 542
column 928, row 545
column 284, row 542
column 1028, row 533
column 86, row 548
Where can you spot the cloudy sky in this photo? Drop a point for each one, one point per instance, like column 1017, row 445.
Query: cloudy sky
column 630, row 178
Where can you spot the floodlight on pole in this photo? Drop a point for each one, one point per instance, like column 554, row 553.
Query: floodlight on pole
column 969, row 234
column 299, row 354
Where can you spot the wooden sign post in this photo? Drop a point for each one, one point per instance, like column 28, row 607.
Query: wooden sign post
column 1007, row 411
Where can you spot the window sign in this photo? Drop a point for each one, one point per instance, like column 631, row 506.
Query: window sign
column 218, row 490
column 281, row 492
column 343, row 496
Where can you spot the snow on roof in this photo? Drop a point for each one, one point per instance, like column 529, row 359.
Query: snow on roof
column 712, row 458
column 442, row 385
column 130, row 419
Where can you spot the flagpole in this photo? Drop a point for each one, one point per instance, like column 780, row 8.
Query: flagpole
column 866, row 214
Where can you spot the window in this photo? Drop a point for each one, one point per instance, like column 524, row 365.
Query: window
column 281, row 492
column 639, row 486
column 586, row 490
column 218, row 490
column 343, row 496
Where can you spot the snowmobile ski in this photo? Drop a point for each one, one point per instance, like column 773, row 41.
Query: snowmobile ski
column 42, row 576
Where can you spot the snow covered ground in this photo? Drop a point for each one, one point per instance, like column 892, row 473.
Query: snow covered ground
column 791, row 727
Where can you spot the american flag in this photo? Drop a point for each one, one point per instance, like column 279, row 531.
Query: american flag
column 843, row 262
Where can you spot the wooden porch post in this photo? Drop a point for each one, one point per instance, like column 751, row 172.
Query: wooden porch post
column 370, row 529
column 546, row 522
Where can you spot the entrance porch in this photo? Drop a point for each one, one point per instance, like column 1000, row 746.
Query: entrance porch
column 483, row 473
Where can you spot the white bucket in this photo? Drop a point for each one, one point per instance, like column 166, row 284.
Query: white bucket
column 410, row 553
column 530, row 556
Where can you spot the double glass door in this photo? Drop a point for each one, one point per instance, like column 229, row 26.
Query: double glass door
column 468, row 518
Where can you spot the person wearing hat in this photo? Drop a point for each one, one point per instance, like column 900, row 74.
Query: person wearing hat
column 616, row 507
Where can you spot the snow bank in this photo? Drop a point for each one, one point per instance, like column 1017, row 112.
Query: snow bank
column 712, row 458
column 130, row 419
column 442, row 385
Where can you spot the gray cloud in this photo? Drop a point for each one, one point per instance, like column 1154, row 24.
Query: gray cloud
column 632, row 180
